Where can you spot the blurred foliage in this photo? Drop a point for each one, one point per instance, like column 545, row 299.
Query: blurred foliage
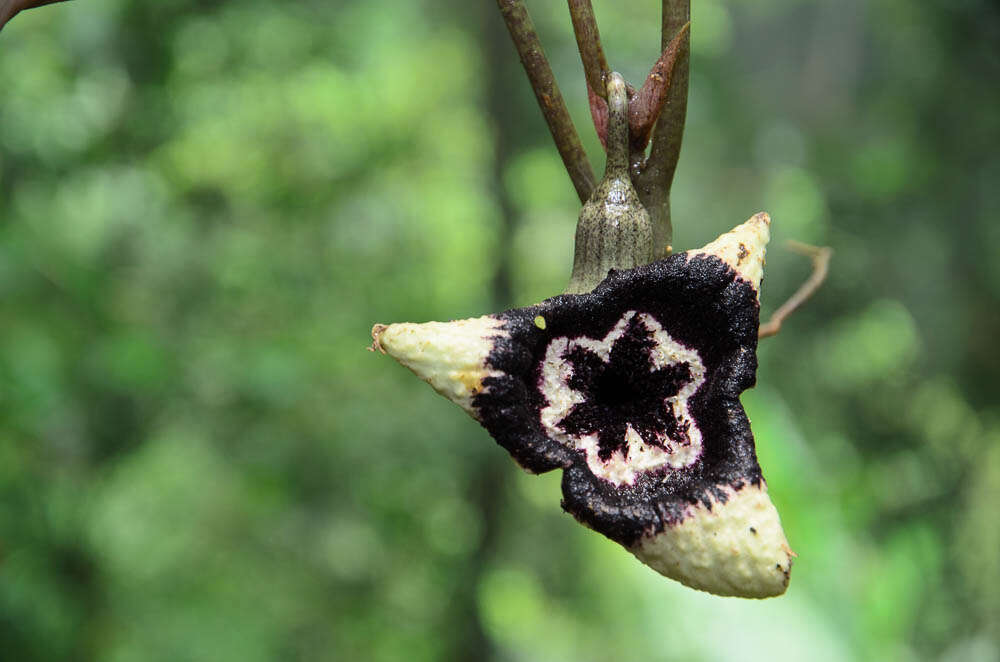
column 205, row 206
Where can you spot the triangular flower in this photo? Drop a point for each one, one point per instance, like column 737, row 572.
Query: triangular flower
column 633, row 390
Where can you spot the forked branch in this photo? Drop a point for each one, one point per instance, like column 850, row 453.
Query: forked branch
column 662, row 101
column 646, row 104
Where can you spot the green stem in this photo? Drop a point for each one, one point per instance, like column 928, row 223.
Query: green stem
column 614, row 230
column 618, row 128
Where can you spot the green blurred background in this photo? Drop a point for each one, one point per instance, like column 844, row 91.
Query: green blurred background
column 205, row 206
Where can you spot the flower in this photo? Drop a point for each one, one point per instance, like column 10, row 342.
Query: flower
column 632, row 390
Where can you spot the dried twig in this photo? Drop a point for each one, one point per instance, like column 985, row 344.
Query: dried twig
column 543, row 82
column 821, row 265
column 10, row 8
column 588, row 41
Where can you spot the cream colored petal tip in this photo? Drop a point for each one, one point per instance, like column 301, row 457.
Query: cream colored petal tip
column 736, row 548
column 742, row 248
column 450, row 356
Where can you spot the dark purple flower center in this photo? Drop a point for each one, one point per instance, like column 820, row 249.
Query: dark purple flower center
column 627, row 390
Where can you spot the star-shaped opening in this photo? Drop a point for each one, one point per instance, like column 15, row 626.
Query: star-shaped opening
column 622, row 400
column 626, row 391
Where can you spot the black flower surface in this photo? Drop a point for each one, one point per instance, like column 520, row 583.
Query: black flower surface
column 633, row 389
column 623, row 399
column 626, row 393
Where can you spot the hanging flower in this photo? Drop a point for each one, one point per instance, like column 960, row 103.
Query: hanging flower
column 633, row 390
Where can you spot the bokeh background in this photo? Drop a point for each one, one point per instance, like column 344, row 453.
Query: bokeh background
column 204, row 207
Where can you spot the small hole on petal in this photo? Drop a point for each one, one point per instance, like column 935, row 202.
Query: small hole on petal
column 540, row 322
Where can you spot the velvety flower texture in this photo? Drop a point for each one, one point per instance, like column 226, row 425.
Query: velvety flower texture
column 633, row 390
column 623, row 400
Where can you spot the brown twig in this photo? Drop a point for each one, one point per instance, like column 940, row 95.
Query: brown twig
column 588, row 41
column 821, row 265
column 10, row 8
column 543, row 82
